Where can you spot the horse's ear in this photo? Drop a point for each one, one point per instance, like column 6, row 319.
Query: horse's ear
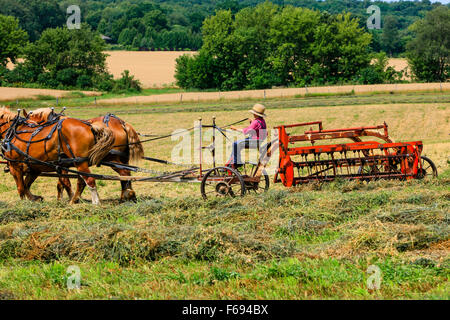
column 25, row 113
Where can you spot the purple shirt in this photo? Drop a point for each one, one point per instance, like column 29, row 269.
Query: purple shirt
column 257, row 129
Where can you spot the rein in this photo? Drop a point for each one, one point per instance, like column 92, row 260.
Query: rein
column 221, row 130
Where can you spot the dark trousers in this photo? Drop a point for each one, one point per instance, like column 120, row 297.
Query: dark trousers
column 240, row 145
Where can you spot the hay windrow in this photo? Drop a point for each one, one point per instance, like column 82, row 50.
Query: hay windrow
column 382, row 219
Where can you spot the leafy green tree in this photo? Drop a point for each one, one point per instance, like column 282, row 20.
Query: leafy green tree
column 379, row 71
column 232, row 5
column 390, row 38
column 266, row 45
column 429, row 52
column 292, row 34
column 12, row 39
column 65, row 55
column 127, row 36
column 127, row 83
column 155, row 19
column 196, row 20
column 340, row 49
column 34, row 15
column 198, row 71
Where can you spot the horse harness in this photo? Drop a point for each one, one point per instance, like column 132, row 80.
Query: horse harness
column 106, row 120
column 55, row 121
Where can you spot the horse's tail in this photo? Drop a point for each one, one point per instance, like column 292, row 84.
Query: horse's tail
column 104, row 144
column 134, row 144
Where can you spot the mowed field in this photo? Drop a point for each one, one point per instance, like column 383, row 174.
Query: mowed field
column 310, row 242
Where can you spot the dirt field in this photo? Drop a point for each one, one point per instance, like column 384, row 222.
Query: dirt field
column 151, row 68
column 10, row 94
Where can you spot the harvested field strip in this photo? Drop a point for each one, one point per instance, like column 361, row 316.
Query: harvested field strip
column 287, row 102
column 277, row 93
column 11, row 94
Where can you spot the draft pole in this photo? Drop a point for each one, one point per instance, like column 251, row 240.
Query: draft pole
column 200, row 148
column 214, row 142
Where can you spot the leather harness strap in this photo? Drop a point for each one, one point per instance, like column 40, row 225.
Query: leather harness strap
column 56, row 122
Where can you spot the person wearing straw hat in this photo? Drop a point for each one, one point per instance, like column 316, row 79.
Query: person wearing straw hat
column 256, row 131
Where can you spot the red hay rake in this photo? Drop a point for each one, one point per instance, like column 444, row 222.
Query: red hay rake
column 360, row 160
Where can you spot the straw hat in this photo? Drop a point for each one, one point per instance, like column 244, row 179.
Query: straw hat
column 258, row 109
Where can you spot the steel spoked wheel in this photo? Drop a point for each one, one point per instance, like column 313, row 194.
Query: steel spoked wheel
column 252, row 183
column 222, row 182
column 428, row 169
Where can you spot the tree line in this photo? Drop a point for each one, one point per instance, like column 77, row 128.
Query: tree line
column 270, row 45
column 176, row 24
column 250, row 47
column 60, row 59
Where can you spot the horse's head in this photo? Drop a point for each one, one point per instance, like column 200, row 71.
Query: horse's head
column 38, row 116
column 6, row 115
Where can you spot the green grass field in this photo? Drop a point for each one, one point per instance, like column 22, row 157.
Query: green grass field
column 311, row 242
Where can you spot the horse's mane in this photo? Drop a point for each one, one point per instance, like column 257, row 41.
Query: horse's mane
column 7, row 114
column 41, row 114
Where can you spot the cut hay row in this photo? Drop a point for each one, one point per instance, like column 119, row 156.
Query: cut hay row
column 11, row 94
column 279, row 93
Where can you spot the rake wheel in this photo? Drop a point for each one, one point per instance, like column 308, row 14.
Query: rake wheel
column 428, row 169
column 222, row 182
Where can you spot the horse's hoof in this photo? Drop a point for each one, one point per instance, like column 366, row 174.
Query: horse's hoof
column 37, row 199
column 6, row 169
column 71, row 202
column 129, row 195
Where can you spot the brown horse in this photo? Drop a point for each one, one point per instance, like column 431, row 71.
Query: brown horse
column 127, row 149
column 29, row 149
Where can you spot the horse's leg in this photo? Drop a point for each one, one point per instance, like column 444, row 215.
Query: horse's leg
column 128, row 193
column 68, row 187
column 60, row 188
column 17, row 173
column 84, row 167
column 64, row 183
column 80, row 188
column 29, row 179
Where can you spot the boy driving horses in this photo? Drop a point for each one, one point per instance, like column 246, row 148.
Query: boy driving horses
column 256, row 131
